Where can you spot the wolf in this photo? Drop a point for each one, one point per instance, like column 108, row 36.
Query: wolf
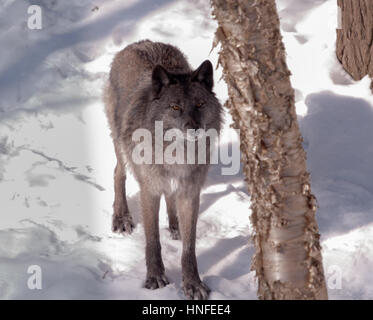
column 150, row 82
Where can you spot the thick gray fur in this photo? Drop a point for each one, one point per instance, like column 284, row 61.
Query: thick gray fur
column 147, row 80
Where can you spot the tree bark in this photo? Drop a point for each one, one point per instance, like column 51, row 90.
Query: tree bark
column 288, row 259
column 355, row 38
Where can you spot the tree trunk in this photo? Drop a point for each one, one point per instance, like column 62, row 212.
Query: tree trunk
column 288, row 260
column 355, row 39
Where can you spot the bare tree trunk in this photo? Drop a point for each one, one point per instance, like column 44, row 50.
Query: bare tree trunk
column 355, row 39
column 288, row 260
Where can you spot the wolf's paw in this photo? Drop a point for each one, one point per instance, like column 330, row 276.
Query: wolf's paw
column 155, row 282
column 122, row 224
column 175, row 234
column 196, row 290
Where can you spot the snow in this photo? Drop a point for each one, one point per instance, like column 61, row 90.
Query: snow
column 57, row 158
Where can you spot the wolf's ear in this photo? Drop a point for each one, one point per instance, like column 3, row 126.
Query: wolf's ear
column 160, row 79
column 204, row 75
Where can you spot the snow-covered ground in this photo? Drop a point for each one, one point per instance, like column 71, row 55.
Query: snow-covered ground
column 57, row 158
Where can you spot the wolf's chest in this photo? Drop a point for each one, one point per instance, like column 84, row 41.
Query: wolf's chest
column 173, row 184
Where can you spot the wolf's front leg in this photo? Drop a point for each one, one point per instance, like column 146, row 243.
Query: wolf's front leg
column 155, row 270
column 188, row 207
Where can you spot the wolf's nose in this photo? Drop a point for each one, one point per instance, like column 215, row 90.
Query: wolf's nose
column 191, row 125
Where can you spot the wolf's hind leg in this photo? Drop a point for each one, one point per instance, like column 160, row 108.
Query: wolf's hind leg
column 122, row 220
column 173, row 221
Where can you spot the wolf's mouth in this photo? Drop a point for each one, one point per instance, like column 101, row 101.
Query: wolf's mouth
column 191, row 135
column 194, row 135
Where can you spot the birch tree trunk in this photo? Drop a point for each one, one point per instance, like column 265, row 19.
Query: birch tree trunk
column 288, row 259
column 355, row 39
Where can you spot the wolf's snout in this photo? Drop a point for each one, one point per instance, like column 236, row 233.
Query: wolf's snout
column 192, row 124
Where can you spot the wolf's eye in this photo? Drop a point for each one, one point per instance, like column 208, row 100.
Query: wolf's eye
column 200, row 104
column 175, row 107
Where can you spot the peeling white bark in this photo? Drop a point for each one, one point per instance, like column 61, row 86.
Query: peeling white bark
column 288, row 259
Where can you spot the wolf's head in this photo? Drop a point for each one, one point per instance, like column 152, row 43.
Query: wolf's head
column 185, row 101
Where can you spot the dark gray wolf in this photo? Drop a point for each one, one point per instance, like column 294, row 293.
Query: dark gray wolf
column 152, row 82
